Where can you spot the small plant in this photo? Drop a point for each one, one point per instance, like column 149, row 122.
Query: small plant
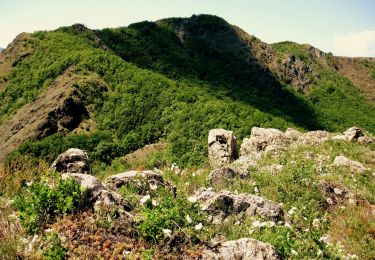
column 54, row 250
column 40, row 203
column 170, row 215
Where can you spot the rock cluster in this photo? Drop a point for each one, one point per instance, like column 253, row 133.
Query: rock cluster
column 269, row 140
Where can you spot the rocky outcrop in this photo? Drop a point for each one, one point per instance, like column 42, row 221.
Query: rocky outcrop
column 74, row 160
column 353, row 166
column 95, row 191
column 262, row 140
column 222, row 147
column 243, row 248
column 143, row 181
column 225, row 174
column 224, row 203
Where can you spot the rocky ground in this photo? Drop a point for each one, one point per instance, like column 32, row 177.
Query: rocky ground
column 279, row 195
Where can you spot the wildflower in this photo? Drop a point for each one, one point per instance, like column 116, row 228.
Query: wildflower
column 188, row 219
column 292, row 210
column 316, row 222
column 294, row 252
column 199, row 226
column 167, row 232
column 192, row 199
column 256, row 190
column 288, row 225
column 153, row 186
column 320, row 252
column 154, row 202
column 145, row 199
column 256, row 224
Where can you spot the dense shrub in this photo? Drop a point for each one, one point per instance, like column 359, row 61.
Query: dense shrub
column 41, row 203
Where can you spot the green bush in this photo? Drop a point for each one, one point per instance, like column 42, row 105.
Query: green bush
column 54, row 250
column 170, row 214
column 41, row 203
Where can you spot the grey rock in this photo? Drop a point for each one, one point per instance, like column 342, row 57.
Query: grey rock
column 143, row 181
column 221, row 175
column 353, row 133
column 313, row 138
column 353, row 166
column 222, row 147
column 261, row 141
column 95, row 191
column 74, row 160
column 225, row 203
column 365, row 140
column 243, row 248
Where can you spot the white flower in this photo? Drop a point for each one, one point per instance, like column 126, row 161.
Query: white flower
column 192, row 199
column 256, row 224
column 167, row 232
column 199, row 226
column 193, row 174
column 256, row 190
column 316, row 222
column 320, row 252
column 145, row 199
column 288, row 225
column 294, row 252
column 153, row 186
column 154, row 202
column 292, row 210
column 188, row 219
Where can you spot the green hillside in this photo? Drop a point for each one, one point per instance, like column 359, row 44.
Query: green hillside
column 163, row 88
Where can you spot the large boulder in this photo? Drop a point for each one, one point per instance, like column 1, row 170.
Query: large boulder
column 225, row 174
column 353, row 166
column 95, row 191
column 243, row 248
column 74, row 160
column 222, row 147
column 143, row 181
column 224, row 203
column 263, row 140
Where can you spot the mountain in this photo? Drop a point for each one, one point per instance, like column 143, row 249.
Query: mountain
column 78, row 106
column 139, row 84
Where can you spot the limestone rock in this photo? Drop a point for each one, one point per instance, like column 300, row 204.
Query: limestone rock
column 262, row 140
column 313, row 138
column 224, row 174
column 95, row 191
column 222, row 147
column 142, row 180
column 224, row 203
column 243, row 248
column 74, row 160
column 353, row 166
column 293, row 134
column 353, row 133
column 365, row 140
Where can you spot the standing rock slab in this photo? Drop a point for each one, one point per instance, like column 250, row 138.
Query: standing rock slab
column 222, row 148
column 225, row 203
column 353, row 166
column 243, row 248
column 74, row 160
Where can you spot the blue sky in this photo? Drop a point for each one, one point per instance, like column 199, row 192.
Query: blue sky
column 345, row 27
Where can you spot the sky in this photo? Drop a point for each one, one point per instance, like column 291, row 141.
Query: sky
column 343, row 27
